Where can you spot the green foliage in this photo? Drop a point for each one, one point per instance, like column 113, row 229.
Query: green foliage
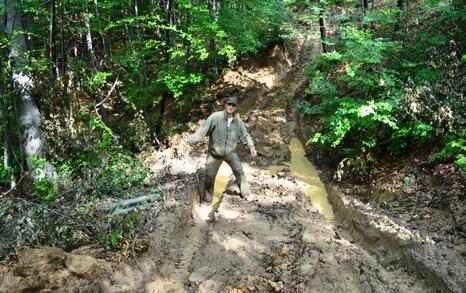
column 332, row 56
column 320, row 86
column 388, row 88
column 177, row 83
column 122, row 229
column 45, row 189
column 100, row 78
column 106, row 135
column 115, row 238
column 250, row 24
column 416, row 132
column 109, row 174
column 176, row 129
column 362, row 119
column 455, row 147
column 307, row 108
column 175, row 58
column 5, row 173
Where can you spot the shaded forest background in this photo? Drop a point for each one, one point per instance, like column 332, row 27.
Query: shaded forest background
column 87, row 85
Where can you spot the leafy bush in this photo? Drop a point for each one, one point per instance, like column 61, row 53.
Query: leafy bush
column 454, row 147
column 383, row 90
column 362, row 119
column 45, row 189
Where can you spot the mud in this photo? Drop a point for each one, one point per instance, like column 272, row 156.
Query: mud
column 408, row 256
column 278, row 240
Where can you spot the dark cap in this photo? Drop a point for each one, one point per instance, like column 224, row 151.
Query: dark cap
column 232, row 100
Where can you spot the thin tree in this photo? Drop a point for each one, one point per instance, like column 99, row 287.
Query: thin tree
column 91, row 53
column 322, row 27
column 170, row 41
column 52, row 37
column 400, row 6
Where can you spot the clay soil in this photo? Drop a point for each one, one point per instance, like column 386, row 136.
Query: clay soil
column 276, row 241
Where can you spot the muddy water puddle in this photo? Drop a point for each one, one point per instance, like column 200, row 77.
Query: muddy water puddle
column 307, row 177
column 221, row 182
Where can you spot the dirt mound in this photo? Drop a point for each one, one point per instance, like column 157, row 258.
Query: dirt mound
column 48, row 269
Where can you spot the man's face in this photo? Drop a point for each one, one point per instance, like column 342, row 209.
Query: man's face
column 231, row 108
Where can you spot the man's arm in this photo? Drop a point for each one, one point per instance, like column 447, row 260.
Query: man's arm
column 246, row 138
column 199, row 135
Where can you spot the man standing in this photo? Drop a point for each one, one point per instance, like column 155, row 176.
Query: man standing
column 224, row 129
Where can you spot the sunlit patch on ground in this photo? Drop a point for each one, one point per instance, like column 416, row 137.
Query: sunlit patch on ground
column 202, row 212
column 230, row 214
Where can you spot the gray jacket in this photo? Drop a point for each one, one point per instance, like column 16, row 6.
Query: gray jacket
column 222, row 141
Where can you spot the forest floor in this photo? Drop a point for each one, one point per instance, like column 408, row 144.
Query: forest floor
column 277, row 241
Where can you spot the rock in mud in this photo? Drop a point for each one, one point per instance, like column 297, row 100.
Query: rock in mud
column 199, row 275
column 85, row 266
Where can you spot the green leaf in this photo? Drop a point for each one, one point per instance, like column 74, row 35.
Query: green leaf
column 100, row 78
column 115, row 238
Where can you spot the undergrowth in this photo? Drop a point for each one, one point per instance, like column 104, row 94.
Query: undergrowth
column 63, row 211
column 388, row 85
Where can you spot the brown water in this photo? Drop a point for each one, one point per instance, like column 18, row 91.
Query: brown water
column 221, row 182
column 307, row 177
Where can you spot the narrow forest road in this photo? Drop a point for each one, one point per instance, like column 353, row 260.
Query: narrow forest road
column 276, row 242
column 283, row 239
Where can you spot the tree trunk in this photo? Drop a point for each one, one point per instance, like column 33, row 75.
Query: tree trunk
column 62, row 48
column 102, row 35
column 143, row 75
column 160, row 121
column 399, row 5
column 322, row 28
column 90, row 51
column 7, row 151
column 365, row 7
column 52, row 52
column 215, row 10
column 170, row 19
column 89, row 44
column 26, row 110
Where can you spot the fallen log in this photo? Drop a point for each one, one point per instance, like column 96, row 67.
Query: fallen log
column 127, row 202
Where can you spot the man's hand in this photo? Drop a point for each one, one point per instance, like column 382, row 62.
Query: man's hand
column 186, row 148
column 253, row 152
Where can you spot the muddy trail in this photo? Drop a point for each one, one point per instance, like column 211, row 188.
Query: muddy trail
column 275, row 242
column 294, row 234
column 287, row 237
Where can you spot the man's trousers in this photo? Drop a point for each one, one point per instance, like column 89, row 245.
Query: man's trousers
column 213, row 164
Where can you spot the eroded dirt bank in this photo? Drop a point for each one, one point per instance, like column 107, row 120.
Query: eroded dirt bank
column 275, row 242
